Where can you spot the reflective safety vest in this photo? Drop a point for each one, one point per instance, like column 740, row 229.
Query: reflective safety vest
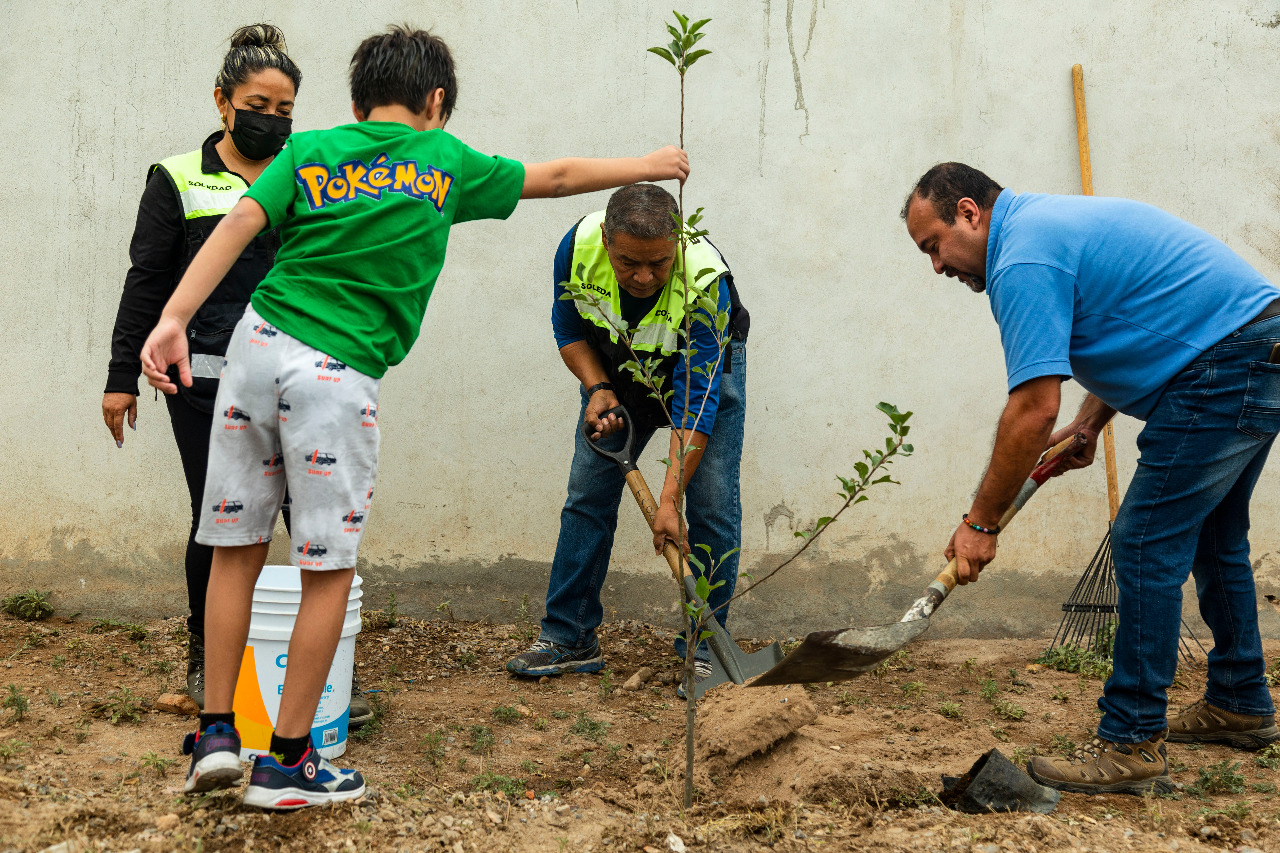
column 206, row 198
column 659, row 331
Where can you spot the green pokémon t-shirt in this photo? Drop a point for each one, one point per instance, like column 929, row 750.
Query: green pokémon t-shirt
column 365, row 211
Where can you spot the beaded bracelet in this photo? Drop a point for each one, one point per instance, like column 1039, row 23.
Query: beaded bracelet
column 978, row 527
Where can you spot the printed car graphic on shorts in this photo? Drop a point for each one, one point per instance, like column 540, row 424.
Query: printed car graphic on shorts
column 309, row 549
column 353, row 517
column 225, row 506
column 315, row 457
column 276, row 460
column 265, row 329
column 234, row 414
column 330, row 363
column 283, row 405
column 370, row 411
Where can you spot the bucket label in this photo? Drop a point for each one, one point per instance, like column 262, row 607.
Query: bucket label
column 329, row 737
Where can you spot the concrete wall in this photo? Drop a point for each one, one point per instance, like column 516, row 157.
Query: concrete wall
column 806, row 127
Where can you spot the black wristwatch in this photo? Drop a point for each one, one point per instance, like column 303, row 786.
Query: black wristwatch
column 599, row 386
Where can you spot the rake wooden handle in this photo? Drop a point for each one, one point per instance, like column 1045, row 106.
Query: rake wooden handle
column 648, row 506
column 1086, row 187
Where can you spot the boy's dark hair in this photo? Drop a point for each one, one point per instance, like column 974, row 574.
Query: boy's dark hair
column 946, row 183
column 402, row 66
column 645, row 211
column 254, row 48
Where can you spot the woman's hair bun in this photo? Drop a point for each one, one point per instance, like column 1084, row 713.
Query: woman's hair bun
column 259, row 35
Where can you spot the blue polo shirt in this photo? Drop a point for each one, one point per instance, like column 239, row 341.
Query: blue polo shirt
column 1115, row 293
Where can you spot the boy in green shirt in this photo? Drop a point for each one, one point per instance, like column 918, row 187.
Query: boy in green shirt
column 364, row 211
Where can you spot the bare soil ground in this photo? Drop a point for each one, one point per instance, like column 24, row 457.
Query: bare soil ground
column 465, row 758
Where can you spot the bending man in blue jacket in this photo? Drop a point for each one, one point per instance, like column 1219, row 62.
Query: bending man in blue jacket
column 627, row 255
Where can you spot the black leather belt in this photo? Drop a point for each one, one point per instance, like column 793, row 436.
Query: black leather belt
column 1272, row 310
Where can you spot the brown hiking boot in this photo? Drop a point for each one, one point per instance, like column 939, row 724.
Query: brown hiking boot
column 1205, row 723
column 1103, row 767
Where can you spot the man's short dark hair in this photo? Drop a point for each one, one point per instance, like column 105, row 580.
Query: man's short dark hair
column 402, row 66
column 645, row 211
column 946, row 183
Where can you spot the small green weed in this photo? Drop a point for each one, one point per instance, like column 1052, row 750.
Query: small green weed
column 606, row 684
column 52, row 698
column 560, row 715
column 1077, row 660
column 1061, row 744
column 912, row 689
column 12, row 749
column 433, row 747
column 17, row 702
column 590, row 729
column 539, row 724
column 528, row 766
column 1263, row 787
column 121, row 706
column 132, row 630
column 1006, row 710
column 467, row 659
column 58, row 662
column 489, row 781
column 988, row 689
column 481, row 739
column 846, row 698
column 30, row 606
column 157, row 763
column 950, row 710
column 1221, row 778
column 1269, row 757
column 505, row 714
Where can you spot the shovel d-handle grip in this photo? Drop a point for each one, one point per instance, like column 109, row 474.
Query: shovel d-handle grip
column 624, row 458
column 1053, row 459
column 648, row 506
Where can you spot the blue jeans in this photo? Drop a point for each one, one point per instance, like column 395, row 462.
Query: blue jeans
column 1187, row 509
column 713, row 508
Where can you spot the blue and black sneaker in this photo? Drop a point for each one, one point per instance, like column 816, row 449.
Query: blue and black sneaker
column 547, row 658
column 215, row 759
column 313, row 781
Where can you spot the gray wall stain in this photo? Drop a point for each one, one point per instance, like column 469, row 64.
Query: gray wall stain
column 780, row 510
column 764, row 87
column 795, row 68
column 813, row 22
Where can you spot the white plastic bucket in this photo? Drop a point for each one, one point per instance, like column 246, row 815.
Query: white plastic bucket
column 257, row 702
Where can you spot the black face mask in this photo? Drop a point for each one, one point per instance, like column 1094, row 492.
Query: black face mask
column 259, row 135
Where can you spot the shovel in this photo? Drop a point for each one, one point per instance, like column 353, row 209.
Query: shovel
column 728, row 663
column 843, row 655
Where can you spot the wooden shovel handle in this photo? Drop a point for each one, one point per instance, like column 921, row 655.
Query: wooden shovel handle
column 1068, row 446
column 649, row 507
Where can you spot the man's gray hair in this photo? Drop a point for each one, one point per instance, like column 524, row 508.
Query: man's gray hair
column 645, row 211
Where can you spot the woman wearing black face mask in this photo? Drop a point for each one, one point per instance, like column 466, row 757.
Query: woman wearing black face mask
column 184, row 199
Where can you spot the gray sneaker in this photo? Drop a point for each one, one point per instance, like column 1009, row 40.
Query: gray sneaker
column 195, row 669
column 547, row 658
column 361, row 711
column 701, row 672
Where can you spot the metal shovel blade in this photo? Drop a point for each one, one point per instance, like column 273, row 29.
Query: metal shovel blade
column 748, row 665
column 841, row 655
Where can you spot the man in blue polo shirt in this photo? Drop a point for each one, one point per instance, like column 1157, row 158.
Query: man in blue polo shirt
column 1160, row 321
column 627, row 256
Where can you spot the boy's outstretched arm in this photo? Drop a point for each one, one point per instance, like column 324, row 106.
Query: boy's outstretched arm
column 573, row 175
column 167, row 343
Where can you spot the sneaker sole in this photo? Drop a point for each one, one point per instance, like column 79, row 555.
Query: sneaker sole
column 1157, row 785
column 1252, row 741
column 289, row 799
column 594, row 664
column 215, row 772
